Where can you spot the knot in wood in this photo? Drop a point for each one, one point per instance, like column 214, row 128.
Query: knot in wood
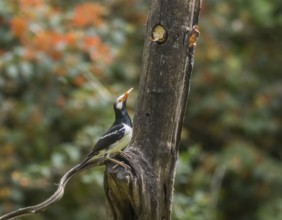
column 159, row 34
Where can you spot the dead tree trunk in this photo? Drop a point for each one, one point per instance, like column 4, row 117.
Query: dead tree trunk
column 145, row 192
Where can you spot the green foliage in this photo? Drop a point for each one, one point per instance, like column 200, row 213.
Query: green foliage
column 61, row 66
column 233, row 114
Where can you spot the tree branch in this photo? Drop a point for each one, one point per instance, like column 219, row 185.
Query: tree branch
column 36, row 209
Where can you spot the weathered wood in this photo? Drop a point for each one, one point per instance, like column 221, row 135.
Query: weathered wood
column 145, row 192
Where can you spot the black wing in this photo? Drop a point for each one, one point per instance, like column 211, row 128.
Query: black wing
column 114, row 134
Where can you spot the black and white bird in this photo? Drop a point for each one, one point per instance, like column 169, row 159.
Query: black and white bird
column 117, row 137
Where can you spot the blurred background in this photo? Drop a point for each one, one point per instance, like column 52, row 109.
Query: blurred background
column 62, row 63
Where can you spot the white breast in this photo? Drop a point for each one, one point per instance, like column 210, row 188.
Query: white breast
column 123, row 142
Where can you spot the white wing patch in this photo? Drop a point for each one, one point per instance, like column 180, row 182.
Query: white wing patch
column 117, row 131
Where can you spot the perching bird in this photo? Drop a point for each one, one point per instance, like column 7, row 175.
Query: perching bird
column 118, row 135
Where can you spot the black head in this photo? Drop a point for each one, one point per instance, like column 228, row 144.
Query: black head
column 120, row 103
column 119, row 106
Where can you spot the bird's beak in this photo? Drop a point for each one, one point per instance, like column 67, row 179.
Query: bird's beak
column 125, row 95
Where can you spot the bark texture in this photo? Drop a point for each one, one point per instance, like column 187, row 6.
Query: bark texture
column 145, row 191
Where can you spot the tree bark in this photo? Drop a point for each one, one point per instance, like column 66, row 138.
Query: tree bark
column 145, row 191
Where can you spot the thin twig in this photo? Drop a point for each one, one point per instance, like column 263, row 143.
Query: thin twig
column 36, row 209
column 215, row 188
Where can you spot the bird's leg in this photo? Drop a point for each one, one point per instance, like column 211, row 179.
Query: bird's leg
column 118, row 162
column 122, row 153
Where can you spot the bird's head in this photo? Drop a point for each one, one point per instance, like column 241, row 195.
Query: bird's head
column 120, row 102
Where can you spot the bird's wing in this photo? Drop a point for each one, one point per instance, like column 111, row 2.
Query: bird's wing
column 114, row 134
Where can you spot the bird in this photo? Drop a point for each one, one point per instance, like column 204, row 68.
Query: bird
column 117, row 137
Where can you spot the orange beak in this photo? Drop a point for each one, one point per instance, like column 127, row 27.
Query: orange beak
column 125, row 95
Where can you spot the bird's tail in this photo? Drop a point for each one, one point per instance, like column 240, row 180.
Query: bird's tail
column 85, row 161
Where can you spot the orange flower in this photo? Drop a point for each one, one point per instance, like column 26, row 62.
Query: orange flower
column 78, row 81
column 18, row 26
column 104, row 53
column 97, row 50
column 101, row 53
column 90, row 42
column 52, row 41
column 42, row 41
column 88, row 14
column 70, row 39
column 30, row 3
column 29, row 53
column 55, row 55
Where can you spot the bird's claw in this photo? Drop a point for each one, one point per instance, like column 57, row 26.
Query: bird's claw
column 125, row 166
